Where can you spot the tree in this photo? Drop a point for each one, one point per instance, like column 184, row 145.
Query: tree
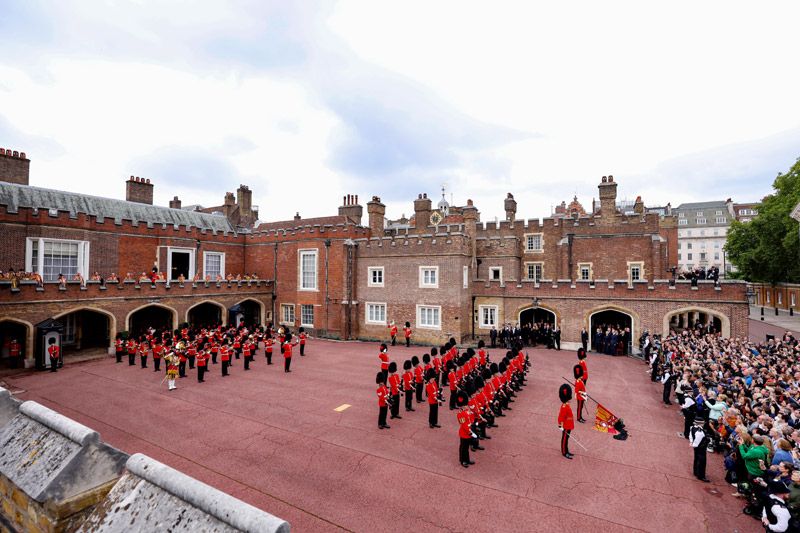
column 767, row 248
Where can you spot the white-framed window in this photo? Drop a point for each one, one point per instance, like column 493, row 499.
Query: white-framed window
column 214, row 264
column 716, row 245
column 722, row 220
column 679, row 256
column 375, row 313
column 767, row 295
column 429, row 276
column 534, row 271
column 716, row 256
column 681, row 215
column 287, row 314
column 180, row 262
column 688, row 246
column 585, row 271
column 488, row 316
column 375, row 278
column 429, row 316
column 534, row 242
column 683, row 221
column 466, row 277
column 307, row 315
column 635, row 271
column 701, row 220
column 793, row 299
column 307, row 270
column 496, row 273
column 700, row 214
column 780, row 298
column 51, row 257
column 702, row 256
column 689, row 256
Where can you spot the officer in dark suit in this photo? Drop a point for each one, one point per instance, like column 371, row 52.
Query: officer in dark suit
column 585, row 338
column 493, row 336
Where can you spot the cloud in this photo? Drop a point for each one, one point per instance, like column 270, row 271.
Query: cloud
column 36, row 146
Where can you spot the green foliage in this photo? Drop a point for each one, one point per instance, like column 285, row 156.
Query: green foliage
column 767, row 249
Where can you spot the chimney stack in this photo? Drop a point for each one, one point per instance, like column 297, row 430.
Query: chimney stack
column 297, row 215
column 15, row 167
column 608, row 198
column 175, row 203
column 139, row 190
column 376, row 212
column 638, row 206
column 351, row 209
column 511, row 207
column 422, row 213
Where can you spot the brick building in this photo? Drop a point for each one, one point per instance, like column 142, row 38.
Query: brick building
column 442, row 269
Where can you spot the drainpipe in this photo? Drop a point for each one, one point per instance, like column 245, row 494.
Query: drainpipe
column 472, row 317
column 327, row 248
column 275, row 282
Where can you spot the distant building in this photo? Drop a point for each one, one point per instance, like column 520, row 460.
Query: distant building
column 744, row 212
column 702, row 233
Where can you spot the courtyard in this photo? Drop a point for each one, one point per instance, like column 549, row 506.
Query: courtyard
column 305, row 446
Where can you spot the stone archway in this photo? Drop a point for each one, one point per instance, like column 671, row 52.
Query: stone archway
column 86, row 330
column 688, row 316
column 11, row 327
column 160, row 316
column 613, row 316
column 252, row 309
column 207, row 313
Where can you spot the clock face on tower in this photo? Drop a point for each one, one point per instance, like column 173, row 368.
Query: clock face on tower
column 436, row 218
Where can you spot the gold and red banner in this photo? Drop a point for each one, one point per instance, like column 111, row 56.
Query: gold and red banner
column 604, row 420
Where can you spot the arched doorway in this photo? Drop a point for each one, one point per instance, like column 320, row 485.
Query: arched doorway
column 611, row 332
column 247, row 312
column 535, row 324
column 86, row 329
column 205, row 315
column 697, row 318
column 13, row 338
column 153, row 316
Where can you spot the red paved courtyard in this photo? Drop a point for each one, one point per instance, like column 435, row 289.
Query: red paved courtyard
column 275, row 441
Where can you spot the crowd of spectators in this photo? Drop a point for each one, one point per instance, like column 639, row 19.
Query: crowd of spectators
column 14, row 277
column 698, row 273
column 742, row 398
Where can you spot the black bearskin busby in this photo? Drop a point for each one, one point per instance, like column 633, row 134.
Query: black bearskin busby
column 502, row 367
column 577, row 371
column 384, row 347
column 392, row 367
column 408, row 324
column 470, row 352
column 494, row 368
column 379, row 378
column 461, row 398
column 565, row 393
column 451, row 365
column 407, row 365
column 415, row 360
column 434, row 352
column 301, row 330
column 430, row 374
column 288, row 337
column 481, row 344
column 426, row 358
column 581, row 353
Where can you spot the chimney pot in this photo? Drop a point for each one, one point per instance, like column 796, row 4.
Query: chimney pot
column 356, row 199
column 148, row 180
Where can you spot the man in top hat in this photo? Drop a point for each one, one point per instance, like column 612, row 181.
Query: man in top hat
column 408, row 384
column 407, row 334
column 432, row 389
column 394, row 389
column 566, row 420
column 464, row 431
column 383, row 408
column 582, row 362
column 580, row 391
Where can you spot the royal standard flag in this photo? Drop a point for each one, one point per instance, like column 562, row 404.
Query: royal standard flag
column 604, row 420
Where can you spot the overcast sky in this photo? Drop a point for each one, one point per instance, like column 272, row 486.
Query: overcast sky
column 308, row 101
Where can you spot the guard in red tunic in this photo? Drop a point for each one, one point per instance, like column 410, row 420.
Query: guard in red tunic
column 408, row 384
column 157, row 350
column 580, row 391
column 418, row 378
column 394, row 389
column 202, row 364
column 464, row 430
column 119, row 348
column 287, row 351
column 432, row 389
column 482, row 360
column 143, row 350
column 407, row 334
column 55, row 354
column 566, row 420
column 393, row 332
column 268, row 342
column 131, row 347
column 225, row 356
column 247, row 353
column 452, row 383
column 582, row 362
column 383, row 408
column 383, row 355
column 303, row 337
column 14, row 352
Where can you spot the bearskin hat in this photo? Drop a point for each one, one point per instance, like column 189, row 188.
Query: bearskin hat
column 479, row 383
column 451, row 365
column 407, row 365
column 426, row 358
column 577, row 371
column 384, row 347
column 452, row 341
column 581, row 353
column 461, row 398
column 502, row 366
column 493, row 368
column 470, row 352
column 565, row 393
column 392, row 367
column 468, row 386
column 430, row 374
column 288, row 336
column 434, row 352
column 487, row 374
column 415, row 360
column 379, row 378
column 481, row 344
column 301, row 330
column 408, row 324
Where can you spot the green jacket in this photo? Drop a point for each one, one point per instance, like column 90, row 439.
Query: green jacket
column 793, row 501
column 751, row 456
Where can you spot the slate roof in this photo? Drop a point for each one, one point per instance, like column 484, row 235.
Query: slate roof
column 291, row 224
column 14, row 196
column 701, row 205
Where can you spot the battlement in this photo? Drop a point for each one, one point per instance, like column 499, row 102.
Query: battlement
column 725, row 291
column 74, row 290
column 342, row 230
column 427, row 243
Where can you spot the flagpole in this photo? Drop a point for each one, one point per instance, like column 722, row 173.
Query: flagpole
column 585, row 393
column 571, row 437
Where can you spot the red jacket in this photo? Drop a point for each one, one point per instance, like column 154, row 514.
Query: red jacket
column 384, row 357
column 432, row 388
column 565, row 417
column 394, row 383
column 463, row 419
column 408, row 378
column 383, row 392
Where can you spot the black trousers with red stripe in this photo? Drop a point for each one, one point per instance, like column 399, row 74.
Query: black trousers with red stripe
column 565, row 441
column 580, row 408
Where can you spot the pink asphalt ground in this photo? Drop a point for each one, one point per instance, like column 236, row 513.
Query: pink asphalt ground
column 275, row 441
